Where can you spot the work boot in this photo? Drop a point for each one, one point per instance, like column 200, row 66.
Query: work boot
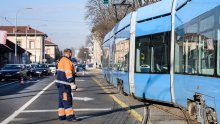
column 72, row 118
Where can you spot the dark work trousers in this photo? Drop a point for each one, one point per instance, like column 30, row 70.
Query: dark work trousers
column 65, row 103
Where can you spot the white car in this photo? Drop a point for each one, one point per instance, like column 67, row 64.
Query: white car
column 52, row 68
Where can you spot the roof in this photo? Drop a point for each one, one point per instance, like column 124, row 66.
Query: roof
column 21, row 30
column 10, row 47
column 49, row 43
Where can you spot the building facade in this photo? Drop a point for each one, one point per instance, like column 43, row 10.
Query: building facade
column 29, row 39
column 51, row 51
column 97, row 52
column 8, row 54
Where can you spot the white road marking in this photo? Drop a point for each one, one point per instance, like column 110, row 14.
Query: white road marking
column 8, row 84
column 80, row 80
column 80, row 89
column 32, row 81
column 25, row 119
column 78, row 110
column 16, row 113
column 83, row 117
column 83, row 98
column 19, row 119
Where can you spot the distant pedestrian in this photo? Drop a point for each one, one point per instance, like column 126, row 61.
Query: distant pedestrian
column 65, row 72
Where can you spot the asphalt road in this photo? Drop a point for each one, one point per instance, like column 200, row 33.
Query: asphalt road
column 36, row 102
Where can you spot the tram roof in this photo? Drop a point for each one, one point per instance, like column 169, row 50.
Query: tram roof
column 124, row 22
column 107, row 36
column 154, row 10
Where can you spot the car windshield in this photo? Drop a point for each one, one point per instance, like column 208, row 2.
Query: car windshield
column 74, row 60
column 80, row 65
column 51, row 65
column 33, row 66
column 12, row 67
column 41, row 66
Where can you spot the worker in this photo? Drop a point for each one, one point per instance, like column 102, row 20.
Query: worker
column 65, row 72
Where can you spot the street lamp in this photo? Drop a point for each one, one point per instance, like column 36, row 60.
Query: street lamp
column 36, row 38
column 16, row 31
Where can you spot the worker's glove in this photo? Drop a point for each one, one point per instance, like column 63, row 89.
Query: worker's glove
column 73, row 86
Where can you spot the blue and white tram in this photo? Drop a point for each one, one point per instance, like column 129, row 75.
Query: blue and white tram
column 138, row 55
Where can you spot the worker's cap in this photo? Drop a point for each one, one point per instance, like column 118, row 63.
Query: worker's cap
column 67, row 50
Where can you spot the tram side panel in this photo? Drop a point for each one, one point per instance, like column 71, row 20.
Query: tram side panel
column 197, row 57
column 152, row 49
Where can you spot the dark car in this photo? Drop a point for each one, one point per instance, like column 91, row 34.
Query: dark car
column 31, row 69
column 14, row 71
column 80, row 67
column 41, row 69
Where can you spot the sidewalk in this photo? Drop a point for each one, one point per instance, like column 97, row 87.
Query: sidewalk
column 152, row 113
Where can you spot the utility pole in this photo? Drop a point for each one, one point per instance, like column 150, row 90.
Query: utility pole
column 16, row 24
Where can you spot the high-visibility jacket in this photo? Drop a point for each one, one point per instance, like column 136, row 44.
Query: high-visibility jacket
column 65, row 70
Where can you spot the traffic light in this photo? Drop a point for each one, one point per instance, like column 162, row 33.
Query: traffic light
column 105, row 1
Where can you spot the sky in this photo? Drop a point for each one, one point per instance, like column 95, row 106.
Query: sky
column 62, row 20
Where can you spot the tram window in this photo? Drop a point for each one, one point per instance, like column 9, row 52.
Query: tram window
column 125, row 62
column 207, row 53
column 207, row 23
column 191, row 52
column 179, row 52
column 143, row 55
column 121, row 62
column 159, row 61
column 152, row 53
column 106, row 57
column 218, row 54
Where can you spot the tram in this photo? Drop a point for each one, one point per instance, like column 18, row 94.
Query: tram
column 169, row 52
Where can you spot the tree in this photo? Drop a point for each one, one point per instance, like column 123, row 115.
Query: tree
column 89, row 40
column 102, row 18
column 83, row 54
column 58, row 53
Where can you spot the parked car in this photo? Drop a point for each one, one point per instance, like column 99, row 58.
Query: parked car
column 52, row 68
column 90, row 65
column 41, row 69
column 32, row 69
column 80, row 67
column 1, row 76
column 14, row 71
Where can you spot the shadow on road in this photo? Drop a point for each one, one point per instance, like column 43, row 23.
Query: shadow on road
column 97, row 114
column 17, row 97
column 43, row 121
column 15, row 88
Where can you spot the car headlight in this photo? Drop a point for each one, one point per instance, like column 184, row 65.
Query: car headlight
column 18, row 72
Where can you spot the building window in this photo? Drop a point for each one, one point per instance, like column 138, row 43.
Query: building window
column 48, row 51
column 31, row 45
column 19, row 43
